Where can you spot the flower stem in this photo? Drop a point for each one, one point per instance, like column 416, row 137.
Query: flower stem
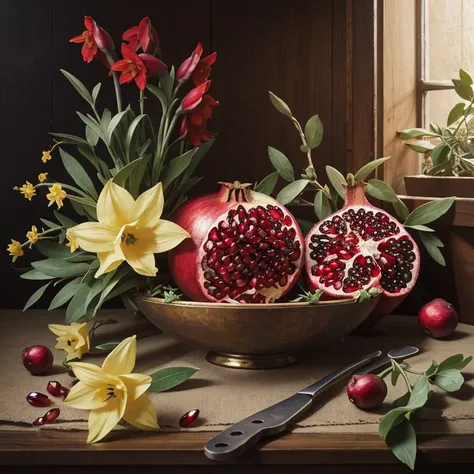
column 118, row 92
column 403, row 374
column 66, row 186
column 142, row 102
column 41, row 234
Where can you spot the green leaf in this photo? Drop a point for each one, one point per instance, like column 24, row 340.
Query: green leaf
column 64, row 220
column 432, row 369
column 51, row 249
column 465, row 76
column 401, row 401
column 463, row 364
column 137, row 175
column 107, row 346
column 463, row 89
column 429, row 211
column 456, row 113
column 410, row 133
column 420, row 146
column 401, row 440
column 65, row 293
column 368, row 168
column 109, row 282
column 391, row 418
column 267, row 185
column 280, row 105
column 395, row 374
column 176, row 166
column 450, row 380
column 59, row 268
column 126, row 172
column 420, row 227
column 71, row 139
column 79, row 86
column 420, row 394
column 130, row 135
column 429, row 241
column 49, row 224
column 92, row 123
column 79, row 304
column 166, row 82
column 86, row 204
column 313, row 131
column 439, row 154
column 35, row 275
column 281, row 163
column 322, row 207
column 451, row 362
column 77, row 173
column 91, row 136
column 435, row 128
column 168, row 378
column 36, row 296
column 337, row 180
column 380, row 190
column 123, row 287
column 114, row 122
column 156, row 91
column 95, row 92
column 291, row 191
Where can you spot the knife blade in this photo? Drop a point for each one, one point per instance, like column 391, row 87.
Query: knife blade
column 275, row 419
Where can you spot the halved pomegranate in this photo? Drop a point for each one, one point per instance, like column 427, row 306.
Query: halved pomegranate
column 245, row 247
column 361, row 247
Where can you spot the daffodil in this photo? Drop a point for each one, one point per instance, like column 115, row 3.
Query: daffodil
column 72, row 242
column 32, row 235
column 42, row 177
column 28, row 190
column 46, row 156
column 112, row 392
column 15, row 250
column 56, row 195
column 128, row 230
column 73, row 339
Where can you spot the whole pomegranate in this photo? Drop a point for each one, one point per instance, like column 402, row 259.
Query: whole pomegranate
column 438, row 318
column 361, row 247
column 245, row 247
column 366, row 391
column 37, row 359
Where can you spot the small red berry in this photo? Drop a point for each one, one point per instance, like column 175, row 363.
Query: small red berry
column 189, row 418
column 54, row 388
column 366, row 391
column 51, row 416
column 39, row 421
column 63, row 391
column 38, row 399
column 37, row 359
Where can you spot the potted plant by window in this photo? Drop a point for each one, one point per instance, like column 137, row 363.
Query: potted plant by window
column 448, row 170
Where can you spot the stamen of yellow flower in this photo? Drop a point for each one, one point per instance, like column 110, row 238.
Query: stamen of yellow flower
column 56, row 195
column 46, row 156
column 129, row 239
column 15, row 250
column 42, row 177
column 32, row 235
column 28, row 190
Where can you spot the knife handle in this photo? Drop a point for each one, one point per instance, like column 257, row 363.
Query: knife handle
column 273, row 420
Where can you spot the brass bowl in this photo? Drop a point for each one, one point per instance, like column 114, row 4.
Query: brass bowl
column 256, row 336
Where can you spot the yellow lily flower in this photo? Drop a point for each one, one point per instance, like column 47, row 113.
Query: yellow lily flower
column 73, row 339
column 128, row 230
column 27, row 189
column 56, row 195
column 112, row 392
column 32, row 235
column 15, row 250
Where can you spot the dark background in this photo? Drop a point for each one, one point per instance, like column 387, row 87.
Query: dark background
column 317, row 55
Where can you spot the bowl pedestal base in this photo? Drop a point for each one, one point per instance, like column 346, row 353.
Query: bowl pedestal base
column 253, row 362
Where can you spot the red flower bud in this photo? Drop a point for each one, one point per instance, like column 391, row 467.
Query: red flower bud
column 189, row 65
column 103, row 39
column 153, row 65
column 144, row 36
column 194, row 97
column 203, row 69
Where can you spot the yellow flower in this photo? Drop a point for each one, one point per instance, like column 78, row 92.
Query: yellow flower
column 28, row 190
column 72, row 242
column 32, row 235
column 112, row 392
column 15, row 250
column 56, row 195
column 42, row 177
column 74, row 339
column 46, row 156
column 128, row 230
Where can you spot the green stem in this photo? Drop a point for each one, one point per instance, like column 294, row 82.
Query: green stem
column 142, row 102
column 118, row 91
column 66, row 186
column 415, row 372
column 41, row 234
column 403, row 374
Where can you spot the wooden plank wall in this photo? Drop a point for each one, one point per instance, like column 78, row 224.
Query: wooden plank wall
column 316, row 54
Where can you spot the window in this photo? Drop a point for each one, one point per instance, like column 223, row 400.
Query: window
column 446, row 43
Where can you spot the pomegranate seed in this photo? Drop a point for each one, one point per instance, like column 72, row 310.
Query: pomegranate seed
column 38, row 399
column 54, row 388
column 345, row 255
column 287, row 220
column 39, row 421
column 64, row 392
column 213, row 235
column 51, row 415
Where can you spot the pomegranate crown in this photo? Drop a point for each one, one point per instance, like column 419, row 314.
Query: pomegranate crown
column 235, row 191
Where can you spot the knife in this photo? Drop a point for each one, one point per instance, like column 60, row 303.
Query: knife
column 275, row 419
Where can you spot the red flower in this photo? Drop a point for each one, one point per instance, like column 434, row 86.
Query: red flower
column 196, row 134
column 203, row 69
column 194, row 97
column 89, row 48
column 144, row 36
column 203, row 112
column 189, row 65
column 137, row 67
column 94, row 38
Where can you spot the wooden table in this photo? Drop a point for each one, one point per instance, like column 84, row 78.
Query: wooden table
column 49, row 451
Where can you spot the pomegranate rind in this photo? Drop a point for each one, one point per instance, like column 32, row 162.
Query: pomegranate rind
column 199, row 217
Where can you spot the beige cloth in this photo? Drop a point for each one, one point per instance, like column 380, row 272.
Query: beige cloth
column 225, row 396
